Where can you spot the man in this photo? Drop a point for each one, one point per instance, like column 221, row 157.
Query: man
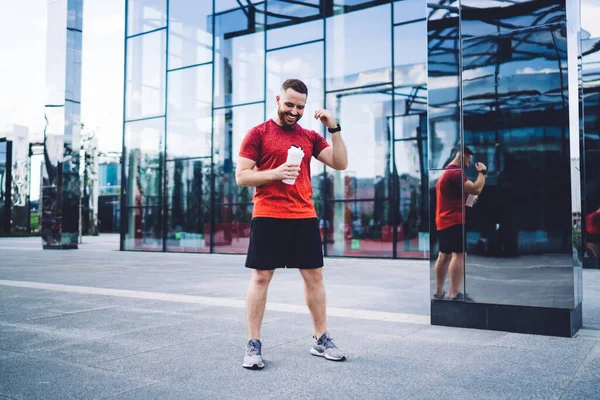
column 450, row 192
column 285, row 230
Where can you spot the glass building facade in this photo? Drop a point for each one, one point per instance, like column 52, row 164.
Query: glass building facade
column 410, row 81
column 199, row 75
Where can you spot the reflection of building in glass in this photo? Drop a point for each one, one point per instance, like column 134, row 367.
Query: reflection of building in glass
column 109, row 193
column 420, row 84
column 14, row 179
column 222, row 72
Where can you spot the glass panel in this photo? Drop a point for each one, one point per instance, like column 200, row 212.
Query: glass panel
column 239, row 60
column 143, row 229
column 230, row 127
column 189, row 112
column 590, row 44
column 232, row 228
column 190, row 32
column 410, row 54
column 359, row 229
column 146, row 73
column 188, row 202
column 409, row 10
column 516, row 117
column 446, row 235
column 413, row 211
column 75, row 14
column 364, row 114
column 486, row 17
column 286, row 12
column 443, row 81
column 73, row 79
column 359, row 59
column 294, row 34
column 4, row 170
column 143, row 157
column 301, row 62
column 145, row 15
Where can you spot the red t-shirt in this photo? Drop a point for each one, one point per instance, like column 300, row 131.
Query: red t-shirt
column 267, row 144
column 449, row 198
column 593, row 223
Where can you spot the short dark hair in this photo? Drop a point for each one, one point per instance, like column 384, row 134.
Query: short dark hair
column 465, row 150
column 295, row 84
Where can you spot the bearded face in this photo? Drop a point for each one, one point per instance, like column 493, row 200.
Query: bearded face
column 290, row 108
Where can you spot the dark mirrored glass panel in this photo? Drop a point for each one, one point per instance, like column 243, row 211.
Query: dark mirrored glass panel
column 359, row 59
column 590, row 46
column 143, row 229
column 446, row 232
column 364, row 116
column 516, row 121
column 190, row 32
column 189, row 112
column 486, row 17
column 409, row 10
column 294, row 34
column 143, row 159
column 146, row 15
column 232, row 228
column 146, row 76
column 285, row 12
column 302, row 62
column 358, row 228
column 239, row 58
column 188, row 204
column 230, row 127
column 443, row 82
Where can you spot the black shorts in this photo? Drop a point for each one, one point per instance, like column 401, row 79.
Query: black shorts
column 452, row 239
column 278, row 243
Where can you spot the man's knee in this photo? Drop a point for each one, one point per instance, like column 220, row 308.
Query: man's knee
column 444, row 256
column 262, row 278
column 312, row 276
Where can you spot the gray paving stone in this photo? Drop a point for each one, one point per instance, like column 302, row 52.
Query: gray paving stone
column 456, row 335
column 105, row 322
column 25, row 315
column 500, row 372
column 586, row 385
column 27, row 340
column 29, row 377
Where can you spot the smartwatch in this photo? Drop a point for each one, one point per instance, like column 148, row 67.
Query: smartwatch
column 336, row 129
column 483, row 171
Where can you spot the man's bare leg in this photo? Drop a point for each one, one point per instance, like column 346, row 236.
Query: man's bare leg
column 457, row 273
column 314, row 291
column 441, row 271
column 257, row 300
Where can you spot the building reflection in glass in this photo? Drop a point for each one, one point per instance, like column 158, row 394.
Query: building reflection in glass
column 590, row 217
column 60, row 189
column 223, row 71
column 516, row 120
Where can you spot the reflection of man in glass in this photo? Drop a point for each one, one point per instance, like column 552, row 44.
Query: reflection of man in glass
column 450, row 191
column 592, row 227
column 285, row 230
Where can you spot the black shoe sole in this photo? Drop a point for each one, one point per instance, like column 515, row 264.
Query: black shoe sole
column 254, row 367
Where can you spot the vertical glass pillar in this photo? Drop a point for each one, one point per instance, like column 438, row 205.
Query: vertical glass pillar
column 61, row 193
column 518, row 106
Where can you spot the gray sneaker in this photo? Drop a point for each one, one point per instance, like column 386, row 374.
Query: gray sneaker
column 253, row 357
column 324, row 347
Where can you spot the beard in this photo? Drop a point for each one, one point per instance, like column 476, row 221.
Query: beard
column 285, row 124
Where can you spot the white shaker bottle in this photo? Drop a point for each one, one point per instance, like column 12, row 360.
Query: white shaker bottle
column 295, row 156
